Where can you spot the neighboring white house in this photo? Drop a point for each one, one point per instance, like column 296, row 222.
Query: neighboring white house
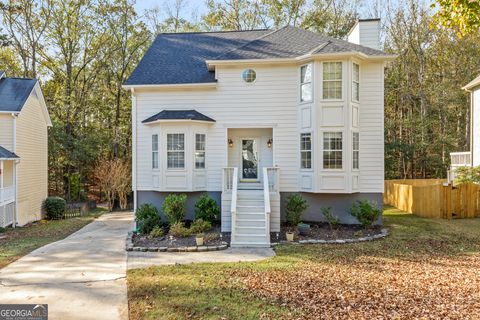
column 251, row 117
column 23, row 150
column 472, row 157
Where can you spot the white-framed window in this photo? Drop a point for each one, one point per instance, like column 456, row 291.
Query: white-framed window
column 356, row 82
column 175, row 150
column 249, row 75
column 306, row 92
column 332, row 80
column 200, row 146
column 332, row 150
column 155, row 151
column 356, row 150
column 306, row 150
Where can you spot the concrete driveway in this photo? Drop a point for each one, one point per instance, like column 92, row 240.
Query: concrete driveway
column 80, row 277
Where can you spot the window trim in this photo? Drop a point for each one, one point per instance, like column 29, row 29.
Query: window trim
column 355, row 150
column 195, row 151
column 355, row 81
column 311, row 151
column 341, row 81
column 341, row 150
column 184, row 151
column 311, row 84
column 156, row 151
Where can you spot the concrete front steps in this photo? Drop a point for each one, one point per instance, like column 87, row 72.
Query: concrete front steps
column 250, row 224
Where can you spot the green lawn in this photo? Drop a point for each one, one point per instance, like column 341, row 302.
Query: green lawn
column 23, row 240
column 425, row 268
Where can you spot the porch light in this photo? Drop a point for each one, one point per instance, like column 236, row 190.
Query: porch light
column 230, row 143
column 269, row 142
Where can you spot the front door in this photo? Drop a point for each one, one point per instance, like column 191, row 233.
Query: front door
column 249, row 160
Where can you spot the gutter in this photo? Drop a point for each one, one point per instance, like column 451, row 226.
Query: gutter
column 170, row 86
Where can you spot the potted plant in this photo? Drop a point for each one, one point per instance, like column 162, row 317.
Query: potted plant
column 303, row 228
column 199, row 239
column 294, row 208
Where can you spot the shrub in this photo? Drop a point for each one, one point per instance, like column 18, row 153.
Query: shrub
column 295, row 207
column 157, row 232
column 332, row 220
column 174, row 207
column 206, row 208
column 54, row 207
column 179, row 230
column 467, row 175
column 199, row 226
column 366, row 212
column 147, row 218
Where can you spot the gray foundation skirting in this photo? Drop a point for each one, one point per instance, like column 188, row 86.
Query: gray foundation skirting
column 381, row 235
column 130, row 247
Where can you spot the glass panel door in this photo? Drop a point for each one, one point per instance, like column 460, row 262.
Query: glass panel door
column 249, row 159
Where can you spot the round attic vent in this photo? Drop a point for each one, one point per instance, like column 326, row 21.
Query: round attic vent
column 249, row 75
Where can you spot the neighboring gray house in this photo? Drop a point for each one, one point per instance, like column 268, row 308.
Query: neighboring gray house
column 253, row 116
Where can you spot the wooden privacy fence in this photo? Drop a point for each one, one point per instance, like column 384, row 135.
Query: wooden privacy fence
column 432, row 199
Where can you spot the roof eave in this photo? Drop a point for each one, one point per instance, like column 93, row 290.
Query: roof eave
column 167, row 86
column 300, row 59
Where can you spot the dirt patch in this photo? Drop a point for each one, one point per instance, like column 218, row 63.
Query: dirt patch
column 322, row 231
column 213, row 237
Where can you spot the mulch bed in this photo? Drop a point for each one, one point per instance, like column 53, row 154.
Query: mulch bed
column 322, row 231
column 171, row 242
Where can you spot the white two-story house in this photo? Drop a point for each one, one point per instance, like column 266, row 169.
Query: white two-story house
column 24, row 121
column 472, row 157
column 251, row 117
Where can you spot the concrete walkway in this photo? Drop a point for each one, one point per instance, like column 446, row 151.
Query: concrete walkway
column 138, row 259
column 80, row 277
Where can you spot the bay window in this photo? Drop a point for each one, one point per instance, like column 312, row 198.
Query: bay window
column 306, row 150
column 175, row 151
column 155, row 151
column 356, row 82
column 356, row 150
column 199, row 151
column 332, row 150
column 332, row 80
column 306, row 83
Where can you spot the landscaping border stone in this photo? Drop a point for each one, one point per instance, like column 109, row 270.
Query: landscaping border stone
column 382, row 234
column 130, row 247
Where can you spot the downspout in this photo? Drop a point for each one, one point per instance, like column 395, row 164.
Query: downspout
column 134, row 152
column 15, row 216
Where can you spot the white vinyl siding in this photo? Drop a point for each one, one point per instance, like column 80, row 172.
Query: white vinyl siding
column 371, row 128
column 306, row 75
column 356, row 82
column 6, row 131
column 332, row 150
column 155, row 151
column 306, row 150
column 200, row 143
column 32, row 170
column 332, row 81
column 175, row 151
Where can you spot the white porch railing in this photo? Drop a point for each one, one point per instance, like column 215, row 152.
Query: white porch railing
column 273, row 177
column 227, row 184
column 233, row 207
column 7, row 214
column 7, row 194
column 266, row 198
column 460, row 159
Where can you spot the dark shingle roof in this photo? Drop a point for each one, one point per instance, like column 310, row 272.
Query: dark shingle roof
column 179, row 58
column 5, row 154
column 178, row 115
column 14, row 92
column 2, row 73
column 291, row 42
